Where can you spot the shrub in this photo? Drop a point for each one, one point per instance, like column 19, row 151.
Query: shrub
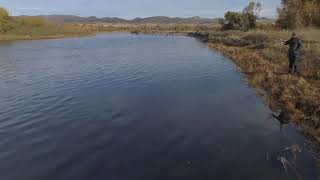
column 3, row 13
column 247, row 19
column 257, row 38
column 232, row 20
column 5, row 20
column 33, row 21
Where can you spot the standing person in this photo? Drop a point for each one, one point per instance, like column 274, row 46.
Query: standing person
column 293, row 52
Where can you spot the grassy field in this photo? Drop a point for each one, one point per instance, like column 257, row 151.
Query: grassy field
column 36, row 27
column 262, row 57
column 47, row 31
column 148, row 28
column 51, row 30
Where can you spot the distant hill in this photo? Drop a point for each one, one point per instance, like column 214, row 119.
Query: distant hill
column 166, row 20
column 149, row 20
column 78, row 19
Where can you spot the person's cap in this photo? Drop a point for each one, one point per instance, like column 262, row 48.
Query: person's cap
column 294, row 33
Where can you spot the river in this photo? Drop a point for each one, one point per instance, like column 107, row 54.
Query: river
column 137, row 107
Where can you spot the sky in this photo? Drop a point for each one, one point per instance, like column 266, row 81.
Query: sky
column 134, row 8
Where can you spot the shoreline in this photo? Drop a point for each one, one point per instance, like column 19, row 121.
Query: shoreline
column 279, row 90
column 4, row 38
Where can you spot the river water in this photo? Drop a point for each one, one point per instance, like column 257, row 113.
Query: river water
column 137, row 107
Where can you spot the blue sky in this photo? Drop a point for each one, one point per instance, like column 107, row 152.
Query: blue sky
column 133, row 8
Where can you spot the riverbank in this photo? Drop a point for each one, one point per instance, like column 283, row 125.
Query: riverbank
column 82, row 30
column 258, row 54
column 262, row 58
column 36, row 27
column 47, row 32
column 27, row 37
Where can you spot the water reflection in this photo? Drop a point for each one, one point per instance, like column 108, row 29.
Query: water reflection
column 156, row 108
column 6, row 43
column 283, row 117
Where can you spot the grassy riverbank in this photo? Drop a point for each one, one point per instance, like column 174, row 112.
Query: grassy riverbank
column 52, row 31
column 36, row 27
column 262, row 57
column 47, row 31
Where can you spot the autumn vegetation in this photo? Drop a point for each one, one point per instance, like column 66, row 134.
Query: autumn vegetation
column 262, row 58
column 35, row 27
column 259, row 53
column 295, row 14
column 245, row 20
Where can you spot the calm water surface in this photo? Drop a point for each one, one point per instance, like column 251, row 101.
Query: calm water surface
column 137, row 107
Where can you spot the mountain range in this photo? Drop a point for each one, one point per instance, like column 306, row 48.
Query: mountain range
column 148, row 20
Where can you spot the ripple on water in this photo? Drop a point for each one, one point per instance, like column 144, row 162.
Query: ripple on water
column 120, row 106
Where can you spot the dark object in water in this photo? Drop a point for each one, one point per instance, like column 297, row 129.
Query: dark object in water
column 204, row 37
column 135, row 32
column 283, row 117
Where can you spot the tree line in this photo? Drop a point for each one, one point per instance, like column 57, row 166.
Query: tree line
column 299, row 13
column 292, row 14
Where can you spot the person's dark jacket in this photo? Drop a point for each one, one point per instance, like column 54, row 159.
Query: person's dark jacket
column 294, row 45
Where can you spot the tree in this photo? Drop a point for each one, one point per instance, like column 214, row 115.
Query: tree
column 248, row 21
column 253, row 8
column 242, row 20
column 232, row 20
column 5, row 20
column 250, row 14
column 298, row 13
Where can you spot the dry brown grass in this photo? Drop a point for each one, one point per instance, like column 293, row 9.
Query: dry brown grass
column 46, row 31
column 268, row 42
column 148, row 28
column 263, row 59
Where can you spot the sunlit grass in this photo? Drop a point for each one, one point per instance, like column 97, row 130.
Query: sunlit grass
column 261, row 55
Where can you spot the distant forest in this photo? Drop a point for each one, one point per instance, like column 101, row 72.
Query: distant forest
column 299, row 13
